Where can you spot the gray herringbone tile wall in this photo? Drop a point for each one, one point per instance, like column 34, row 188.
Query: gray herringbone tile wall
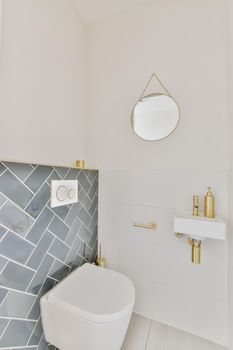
column 39, row 245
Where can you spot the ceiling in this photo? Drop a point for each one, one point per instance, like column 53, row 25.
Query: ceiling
column 94, row 10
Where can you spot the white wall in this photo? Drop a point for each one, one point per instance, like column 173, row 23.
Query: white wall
column 184, row 42
column 42, row 82
column 230, row 104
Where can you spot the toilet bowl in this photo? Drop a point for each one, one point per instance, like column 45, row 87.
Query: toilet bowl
column 89, row 310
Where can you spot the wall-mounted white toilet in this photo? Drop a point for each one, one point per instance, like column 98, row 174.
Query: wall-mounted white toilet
column 89, row 310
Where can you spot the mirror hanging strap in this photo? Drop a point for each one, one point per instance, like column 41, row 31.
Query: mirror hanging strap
column 160, row 82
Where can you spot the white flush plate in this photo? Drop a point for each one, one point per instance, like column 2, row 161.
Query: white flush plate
column 199, row 226
column 63, row 192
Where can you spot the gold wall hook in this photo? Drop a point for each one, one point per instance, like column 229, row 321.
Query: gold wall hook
column 150, row 226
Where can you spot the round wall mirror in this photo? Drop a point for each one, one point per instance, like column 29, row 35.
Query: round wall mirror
column 155, row 117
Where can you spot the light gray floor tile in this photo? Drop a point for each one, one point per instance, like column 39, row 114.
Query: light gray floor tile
column 163, row 337
column 137, row 334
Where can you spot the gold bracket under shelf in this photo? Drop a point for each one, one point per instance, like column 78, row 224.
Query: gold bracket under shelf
column 150, row 226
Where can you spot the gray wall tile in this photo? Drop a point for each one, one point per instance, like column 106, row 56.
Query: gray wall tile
column 40, row 225
column 58, row 228
column 59, row 270
column 84, row 216
column 84, row 199
column 73, row 251
column 61, row 211
column 59, row 249
column 73, row 213
column 17, row 333
column 36, row 335
column 85, row 234
column 3, row 293
column 15, row 219
column 40, row 275
column 16, row 276
column 19, row 169
column 40, row 250
column 85, row 184
column 2, row 168
column 84, row 251
column 2, row 231
column 35, row 207
column 3, row 262
column 14, row 189
column 36, row 268
column 93, row 190
column 43, row 344
column 16, row 305
column 72, row 174
column 35, row 311
column 73, row 232
column 15, row 248
column 37, row 178
column 2, row 199
column 3, row 324
column 61, row 171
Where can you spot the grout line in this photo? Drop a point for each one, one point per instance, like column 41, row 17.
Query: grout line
column 3, row 202
column 36, row 273
column 5, row 328
column 4, row 170
column 4, row 234
column 17, row 234
column 148, row 335
column 4, row 300
column 18, row 291
column 33, row 332
column 20, row 318
column 57, row 173
column 30, row 172
column 59, row 239
column 45, row 207
column 58, row 260
column 62, row 178
column 16, row 205
column 45, row 230
column 19, row 347
column 18, row 263
column 57, row 215
column 44, row 182
column 10, row 171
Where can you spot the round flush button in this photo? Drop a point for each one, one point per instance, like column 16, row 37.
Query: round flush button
column 71, row 194
column 61, row 193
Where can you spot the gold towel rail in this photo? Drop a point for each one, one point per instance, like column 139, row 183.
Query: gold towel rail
column 150, row 226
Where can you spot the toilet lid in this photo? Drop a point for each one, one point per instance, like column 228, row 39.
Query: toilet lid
column 94, row 293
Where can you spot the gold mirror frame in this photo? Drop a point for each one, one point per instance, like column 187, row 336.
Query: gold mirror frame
column 153, row 95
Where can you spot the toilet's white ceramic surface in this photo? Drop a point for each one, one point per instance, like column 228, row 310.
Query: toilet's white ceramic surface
column 90, row 309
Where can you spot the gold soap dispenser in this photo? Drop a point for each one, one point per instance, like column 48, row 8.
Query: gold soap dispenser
column 209, row 204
